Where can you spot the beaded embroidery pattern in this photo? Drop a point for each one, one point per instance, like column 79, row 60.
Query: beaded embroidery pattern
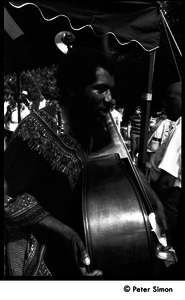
column 63, row 152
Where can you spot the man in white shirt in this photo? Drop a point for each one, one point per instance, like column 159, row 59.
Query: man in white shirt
column 159, row 130
column 165, row 173
column 168, row 158
column 13, row 120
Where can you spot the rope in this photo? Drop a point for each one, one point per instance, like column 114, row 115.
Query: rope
column 35, row 84
column 166, row 25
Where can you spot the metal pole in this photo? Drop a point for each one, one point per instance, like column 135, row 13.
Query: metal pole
column 145, row 117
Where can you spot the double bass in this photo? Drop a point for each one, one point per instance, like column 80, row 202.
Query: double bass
column 118, row 218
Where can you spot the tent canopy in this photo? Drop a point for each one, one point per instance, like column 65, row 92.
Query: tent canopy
column 30, row 28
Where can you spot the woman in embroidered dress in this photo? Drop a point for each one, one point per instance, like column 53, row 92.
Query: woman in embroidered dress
column 42, row 167
column 42, row 171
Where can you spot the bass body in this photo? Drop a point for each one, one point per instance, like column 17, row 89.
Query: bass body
column 117, row 230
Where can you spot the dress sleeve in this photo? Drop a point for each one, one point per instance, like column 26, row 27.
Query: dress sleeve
column 22, row 211
column 21, row 207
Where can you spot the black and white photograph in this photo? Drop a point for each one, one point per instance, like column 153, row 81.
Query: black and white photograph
column 92, row 149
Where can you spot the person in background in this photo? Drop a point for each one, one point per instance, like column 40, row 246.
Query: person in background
column 122, row 113
column 160, row 127
column 25, row 100
column 6, row 102
column 11, row 117
column 134, row 126
column 165, row 172
column 42, row 102
column 116, row 115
